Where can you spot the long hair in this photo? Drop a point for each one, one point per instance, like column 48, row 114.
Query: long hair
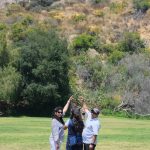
column 60, row 119
column 77, row 121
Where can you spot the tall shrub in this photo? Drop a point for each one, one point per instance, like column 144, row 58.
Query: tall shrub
column 131, row 42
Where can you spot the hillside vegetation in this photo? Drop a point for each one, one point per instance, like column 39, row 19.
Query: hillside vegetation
column 99, row 49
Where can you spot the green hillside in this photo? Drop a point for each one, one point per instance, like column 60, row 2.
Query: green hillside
column 99, row 49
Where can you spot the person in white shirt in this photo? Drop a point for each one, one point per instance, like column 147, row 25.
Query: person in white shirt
column 57, row 134
column 91, row 128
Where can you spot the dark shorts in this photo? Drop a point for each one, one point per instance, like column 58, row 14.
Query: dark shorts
column 86, row 146
column 75, row 147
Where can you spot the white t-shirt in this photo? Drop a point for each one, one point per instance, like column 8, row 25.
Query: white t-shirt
column 91, row 128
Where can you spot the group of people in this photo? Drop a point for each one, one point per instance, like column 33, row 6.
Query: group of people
column 82, row 131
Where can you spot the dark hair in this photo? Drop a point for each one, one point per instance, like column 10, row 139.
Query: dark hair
column 77, row 122
column 75, row 112
column 57, row 109
column 60, row 119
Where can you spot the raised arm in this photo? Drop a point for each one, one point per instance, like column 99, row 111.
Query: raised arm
column 67, row 105
column 84, row 106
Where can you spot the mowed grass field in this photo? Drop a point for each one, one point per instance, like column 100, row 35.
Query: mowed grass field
column 32, row 133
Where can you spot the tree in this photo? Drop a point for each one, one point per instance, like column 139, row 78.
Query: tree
column 44, row 68
column 9, row 81
column 4, row 54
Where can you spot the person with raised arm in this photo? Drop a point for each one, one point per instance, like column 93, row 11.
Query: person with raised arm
column 57, row 134
column 91, row 126
column 75, row 127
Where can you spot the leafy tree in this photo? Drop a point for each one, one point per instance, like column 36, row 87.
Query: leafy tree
column 44, row 68
column 4, row 54
column 9, row 81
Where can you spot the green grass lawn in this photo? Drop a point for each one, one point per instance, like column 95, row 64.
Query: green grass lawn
column 32, row 133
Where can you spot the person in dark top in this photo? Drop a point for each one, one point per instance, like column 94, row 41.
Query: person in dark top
column 75, row 127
